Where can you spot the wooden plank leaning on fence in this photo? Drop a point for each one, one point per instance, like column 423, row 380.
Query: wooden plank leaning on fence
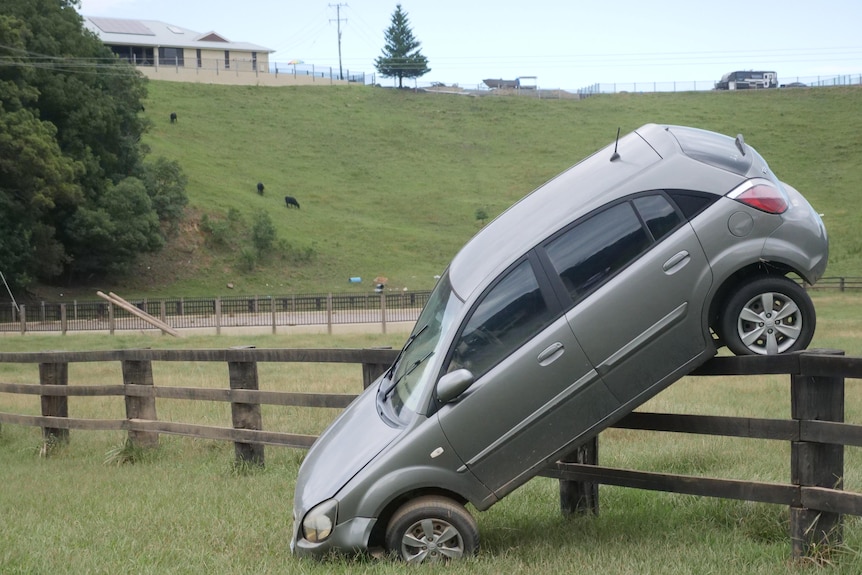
column 120, row 302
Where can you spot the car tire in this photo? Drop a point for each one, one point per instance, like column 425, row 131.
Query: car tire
column 766, row 316
column 432, row 529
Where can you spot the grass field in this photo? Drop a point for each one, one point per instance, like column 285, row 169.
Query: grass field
column 390, row 181
column 185, row 509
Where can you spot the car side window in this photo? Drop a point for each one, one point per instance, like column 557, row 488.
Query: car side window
column 658, row 214
column 512, row 312
column 597, row 248
column 692, row 203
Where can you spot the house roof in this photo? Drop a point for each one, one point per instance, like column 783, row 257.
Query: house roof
column 130, row 32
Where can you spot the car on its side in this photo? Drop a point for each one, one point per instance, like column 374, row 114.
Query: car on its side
column 573, row 307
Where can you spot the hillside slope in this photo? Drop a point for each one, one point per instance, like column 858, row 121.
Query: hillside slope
column 389, row 181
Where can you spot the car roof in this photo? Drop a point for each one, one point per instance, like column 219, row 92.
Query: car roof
column 650, row 158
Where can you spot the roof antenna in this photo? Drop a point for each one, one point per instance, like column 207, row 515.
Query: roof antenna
column 615, row 156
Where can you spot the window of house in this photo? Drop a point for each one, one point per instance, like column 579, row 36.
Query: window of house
column 200, row 59
column 171, row 56
column 227, row 59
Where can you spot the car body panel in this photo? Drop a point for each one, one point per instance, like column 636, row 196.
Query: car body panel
column 557, row 397
column 369, row 433
column 666, row 325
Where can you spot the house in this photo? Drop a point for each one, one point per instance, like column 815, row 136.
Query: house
column 520, row 83
column 163, row 51
column 501, row 84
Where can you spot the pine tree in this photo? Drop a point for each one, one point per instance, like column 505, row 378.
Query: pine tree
column 401, row 56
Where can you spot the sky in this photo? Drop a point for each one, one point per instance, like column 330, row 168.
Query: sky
column 566, row 44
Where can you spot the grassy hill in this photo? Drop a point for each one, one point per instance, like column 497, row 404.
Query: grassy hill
column 390, row 181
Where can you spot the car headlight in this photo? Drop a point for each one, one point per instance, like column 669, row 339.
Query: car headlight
column 318, row 523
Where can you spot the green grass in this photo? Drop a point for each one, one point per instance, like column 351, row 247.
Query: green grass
column 185, row 508
column 390, row 181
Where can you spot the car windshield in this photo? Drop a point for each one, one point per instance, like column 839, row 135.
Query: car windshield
column 411, row 375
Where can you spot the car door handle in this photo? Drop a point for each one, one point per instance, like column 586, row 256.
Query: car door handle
column 550, row 354
column 676, row 262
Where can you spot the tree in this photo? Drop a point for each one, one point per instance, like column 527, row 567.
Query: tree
column 166, row 186
column 70, row 137
column 263, row 233
column 401, row 57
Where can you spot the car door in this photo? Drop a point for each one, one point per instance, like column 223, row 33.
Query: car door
column 534, row 390
column 638, row 279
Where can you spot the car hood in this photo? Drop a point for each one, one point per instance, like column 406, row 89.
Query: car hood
column 347, row 445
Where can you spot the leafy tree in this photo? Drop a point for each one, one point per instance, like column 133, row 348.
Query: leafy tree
column 70, row 131
column 166, row 186
column 401, row 56
column 263, row 234
column 114, row 231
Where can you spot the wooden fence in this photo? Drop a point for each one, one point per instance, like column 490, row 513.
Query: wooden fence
column 816, row 430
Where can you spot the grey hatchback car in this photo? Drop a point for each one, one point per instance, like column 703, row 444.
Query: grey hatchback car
column 573, row 307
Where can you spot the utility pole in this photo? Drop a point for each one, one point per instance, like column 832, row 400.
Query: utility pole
column 338, row 20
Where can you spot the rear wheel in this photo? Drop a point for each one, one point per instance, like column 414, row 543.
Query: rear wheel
column 432, row 529
column 767, row 316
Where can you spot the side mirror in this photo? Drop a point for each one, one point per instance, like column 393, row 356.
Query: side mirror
column 454, row 384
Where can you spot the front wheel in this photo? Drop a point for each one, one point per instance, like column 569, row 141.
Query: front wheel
column 768, row 316
column 432, row 529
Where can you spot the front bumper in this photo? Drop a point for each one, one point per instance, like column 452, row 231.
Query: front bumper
column 352, row 535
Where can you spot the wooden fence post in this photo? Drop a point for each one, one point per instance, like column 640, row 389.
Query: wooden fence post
column 243, row 375
column 54, row 405
column 581, row 497
column 813, row 464
column 371, row 371
column 140, row 373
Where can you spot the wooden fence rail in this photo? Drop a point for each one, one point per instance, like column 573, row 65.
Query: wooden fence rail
column 816, row 430
column 140, row 393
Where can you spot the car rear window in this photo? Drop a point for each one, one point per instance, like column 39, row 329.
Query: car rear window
column 711, row 148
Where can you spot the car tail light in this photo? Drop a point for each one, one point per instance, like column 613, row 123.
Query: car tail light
column 762, row 195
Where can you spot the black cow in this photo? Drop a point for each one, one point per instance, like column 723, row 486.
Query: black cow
column 173, row 117
column 291, row 201
column 260, row 188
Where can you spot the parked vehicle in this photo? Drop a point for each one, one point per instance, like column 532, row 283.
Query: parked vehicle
column 745, row 79
column 580, row 302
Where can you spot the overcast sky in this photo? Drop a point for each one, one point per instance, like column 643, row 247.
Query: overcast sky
column 563, row 43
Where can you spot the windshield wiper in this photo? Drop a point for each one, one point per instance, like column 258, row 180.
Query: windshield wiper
column 407, row 372
column 410, row 340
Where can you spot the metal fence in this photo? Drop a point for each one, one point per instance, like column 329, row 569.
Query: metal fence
column 325, row 72
column 699, row 85
column 232, row 311
column 321, row 309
